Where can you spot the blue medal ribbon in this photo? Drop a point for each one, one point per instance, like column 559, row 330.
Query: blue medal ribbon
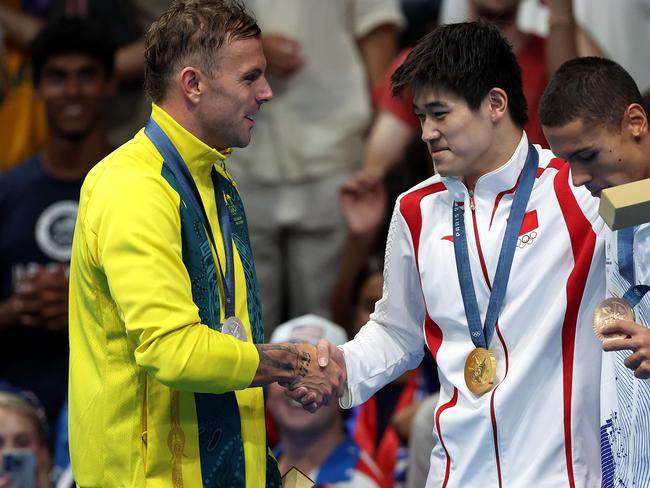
column 625, row 251
column 173, row 160
column 482, row 335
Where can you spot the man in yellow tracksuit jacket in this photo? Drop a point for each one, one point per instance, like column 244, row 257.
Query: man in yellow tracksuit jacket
column 163, row 391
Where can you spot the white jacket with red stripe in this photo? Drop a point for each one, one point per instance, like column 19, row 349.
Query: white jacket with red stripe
column 539, row 425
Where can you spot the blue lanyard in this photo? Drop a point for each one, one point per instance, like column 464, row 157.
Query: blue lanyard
column 482, row 335
column 179, row 169
column 625, row 251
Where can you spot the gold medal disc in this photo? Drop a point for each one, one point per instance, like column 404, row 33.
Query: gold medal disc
column 609, row 310
column 480, row 371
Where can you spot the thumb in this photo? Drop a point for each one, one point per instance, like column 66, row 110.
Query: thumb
column 323, row 348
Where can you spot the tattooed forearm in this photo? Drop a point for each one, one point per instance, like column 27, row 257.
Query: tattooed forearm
column 270, row 358
column 282, row 362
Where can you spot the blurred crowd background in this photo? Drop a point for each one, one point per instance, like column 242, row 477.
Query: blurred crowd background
column 328, row 157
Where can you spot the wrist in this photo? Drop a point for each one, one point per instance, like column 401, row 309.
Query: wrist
column 280, row 362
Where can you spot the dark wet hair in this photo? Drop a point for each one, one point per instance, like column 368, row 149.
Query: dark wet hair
column 468, row 59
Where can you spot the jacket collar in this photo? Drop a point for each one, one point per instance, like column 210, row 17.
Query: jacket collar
column 491, row 184
column 198, row 156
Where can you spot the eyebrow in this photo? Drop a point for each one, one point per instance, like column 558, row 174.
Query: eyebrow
column 431, row 105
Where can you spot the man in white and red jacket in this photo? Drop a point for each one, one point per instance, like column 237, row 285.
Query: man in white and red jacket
column 519, row 399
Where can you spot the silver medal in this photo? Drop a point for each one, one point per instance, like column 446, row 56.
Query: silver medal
column 234, row 327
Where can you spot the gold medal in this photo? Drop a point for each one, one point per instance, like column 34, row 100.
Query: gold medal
column 609, row 310
column 480, row 371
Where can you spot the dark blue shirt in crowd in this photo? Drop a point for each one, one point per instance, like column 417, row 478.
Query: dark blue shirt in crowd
column 37, row 217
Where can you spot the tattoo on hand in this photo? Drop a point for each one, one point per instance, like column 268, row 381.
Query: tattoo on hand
column 303, row 367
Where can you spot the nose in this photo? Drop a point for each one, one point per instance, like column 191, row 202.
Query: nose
column 430, row 131
column 72, row 85
column 579, row 175
column 265, row 92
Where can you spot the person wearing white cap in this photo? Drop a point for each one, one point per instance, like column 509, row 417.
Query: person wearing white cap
column 317, row 444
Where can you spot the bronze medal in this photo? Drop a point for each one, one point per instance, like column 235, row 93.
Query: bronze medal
column 480, row 371
column 234, row 327
column 609, row 310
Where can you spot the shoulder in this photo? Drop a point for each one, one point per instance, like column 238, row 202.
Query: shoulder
column 408, row 203
column 575, row 203
column 130, row 179
column 549, row 161
column 134, row 163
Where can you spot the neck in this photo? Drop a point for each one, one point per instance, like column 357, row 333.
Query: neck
column 181, row 112
column 646, row 151
column 504, row 144
column 69, row 159
column 308, row 451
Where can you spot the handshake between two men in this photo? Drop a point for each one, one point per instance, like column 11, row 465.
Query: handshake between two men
column 305, row 370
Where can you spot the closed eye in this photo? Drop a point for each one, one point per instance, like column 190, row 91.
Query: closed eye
column 585, row 156
column 252, row 76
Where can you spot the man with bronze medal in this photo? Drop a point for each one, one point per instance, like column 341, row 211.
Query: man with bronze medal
column 593, row 115
column 510, row 327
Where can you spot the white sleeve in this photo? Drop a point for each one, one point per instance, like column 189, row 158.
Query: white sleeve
column 392, row 341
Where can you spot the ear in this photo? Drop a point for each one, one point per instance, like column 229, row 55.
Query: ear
column 497, row 100
column 635, row 120
column 190, row 81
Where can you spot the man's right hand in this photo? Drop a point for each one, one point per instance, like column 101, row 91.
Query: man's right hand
column 319, row 380
column 296, row 367
column 329, row 356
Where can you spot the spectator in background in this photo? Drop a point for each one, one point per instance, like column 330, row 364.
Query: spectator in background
column 421, row 442
column 4, row 73
column 317, row 444
column 324, row 56
column 73, row 68
column 23, row 427
column 22, row 115
column 381, row 425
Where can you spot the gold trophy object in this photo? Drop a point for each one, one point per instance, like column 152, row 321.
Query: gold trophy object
column 294, row 478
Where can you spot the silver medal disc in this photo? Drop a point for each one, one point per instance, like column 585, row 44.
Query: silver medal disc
column 234, row 327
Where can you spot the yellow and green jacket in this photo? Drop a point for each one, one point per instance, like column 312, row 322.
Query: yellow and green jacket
column 158, row 396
